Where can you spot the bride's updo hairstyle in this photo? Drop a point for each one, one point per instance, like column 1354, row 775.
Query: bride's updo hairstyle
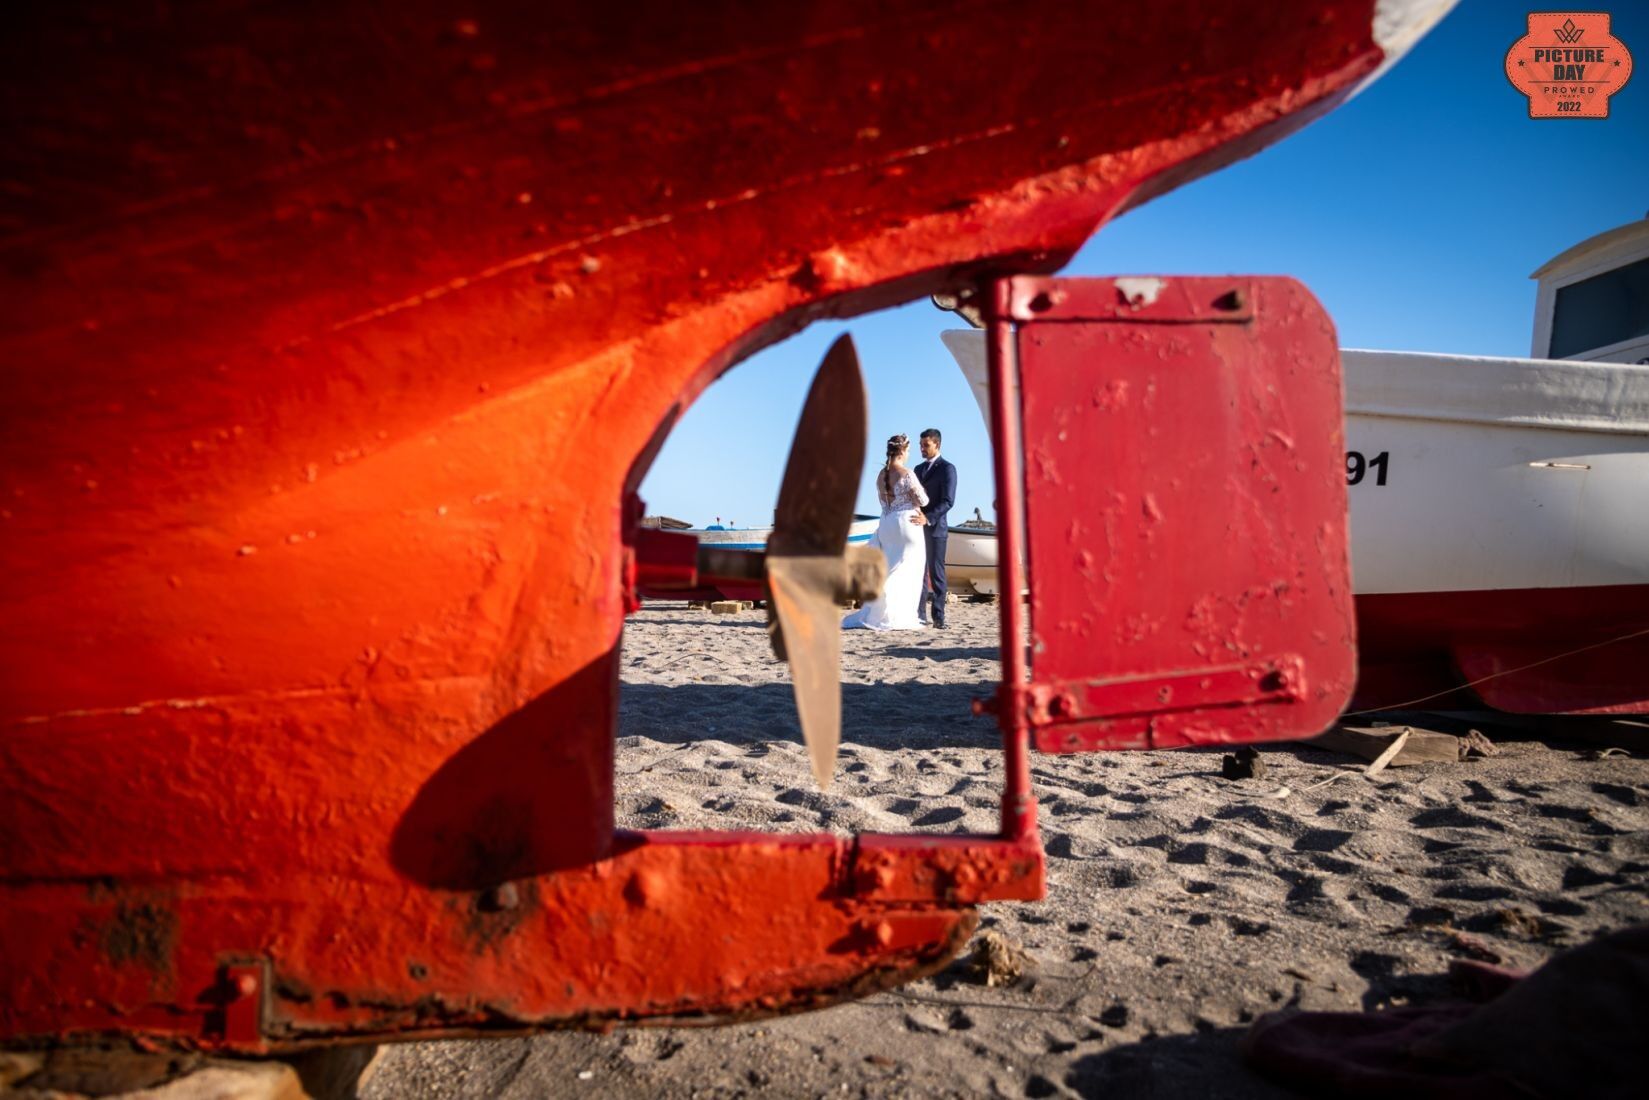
column 897, row 447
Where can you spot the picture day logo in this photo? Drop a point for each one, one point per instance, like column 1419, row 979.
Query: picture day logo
column 1568, row 64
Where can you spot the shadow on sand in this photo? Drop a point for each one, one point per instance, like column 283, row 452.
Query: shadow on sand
column 883, row 716
column 1172, row 1067
column 951, row 653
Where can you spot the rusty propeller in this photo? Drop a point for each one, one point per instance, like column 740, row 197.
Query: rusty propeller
column 810, row 568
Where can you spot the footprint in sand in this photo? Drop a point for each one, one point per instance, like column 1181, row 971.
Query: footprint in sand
column 1578, row 877
column 1388, row 893
column 1322, row 840
column 1120, row 876
column 1062, row 846
column 1626, row 796
column 1469, row 891
column 1305, row 889
column 1331, row 866
column 1449, row 817
column 1242, row 926
column 1192, row 854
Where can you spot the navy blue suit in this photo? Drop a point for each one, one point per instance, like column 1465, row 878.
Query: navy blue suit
column 938, row 479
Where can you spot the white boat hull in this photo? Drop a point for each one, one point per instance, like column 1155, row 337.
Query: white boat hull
column 1499, row 514
column 1481, row 487
column 755, row 538
column 970, row 561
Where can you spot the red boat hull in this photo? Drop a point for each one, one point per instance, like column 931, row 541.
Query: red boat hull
column 1529, row 651
column 331, row 357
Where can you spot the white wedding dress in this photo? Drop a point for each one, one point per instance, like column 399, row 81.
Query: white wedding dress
column 901, row 542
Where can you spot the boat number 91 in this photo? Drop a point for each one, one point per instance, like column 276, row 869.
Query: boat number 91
column 1359, row 466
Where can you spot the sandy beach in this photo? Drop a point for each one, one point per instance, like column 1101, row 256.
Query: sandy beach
column 1181, row 905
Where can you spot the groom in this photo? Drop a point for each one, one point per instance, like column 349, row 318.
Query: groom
column 938, row 479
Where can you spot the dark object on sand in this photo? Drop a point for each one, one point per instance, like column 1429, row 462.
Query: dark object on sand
column 1573, row 1027
column 998, row 960
column 1245, row 763
column 1474, row 744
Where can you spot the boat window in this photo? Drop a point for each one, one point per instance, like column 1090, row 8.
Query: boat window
column 1602, row 310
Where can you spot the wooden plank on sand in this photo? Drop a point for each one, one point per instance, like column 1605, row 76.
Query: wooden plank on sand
column 1370, row 742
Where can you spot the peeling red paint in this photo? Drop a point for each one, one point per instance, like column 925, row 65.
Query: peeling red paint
column 1244, row 557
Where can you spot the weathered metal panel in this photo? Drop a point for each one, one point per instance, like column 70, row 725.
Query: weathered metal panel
column 1186, row 511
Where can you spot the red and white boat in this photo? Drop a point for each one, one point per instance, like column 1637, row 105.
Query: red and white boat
column 1500, row 507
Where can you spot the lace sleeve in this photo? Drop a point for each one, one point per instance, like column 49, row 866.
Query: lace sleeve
column 915, row 488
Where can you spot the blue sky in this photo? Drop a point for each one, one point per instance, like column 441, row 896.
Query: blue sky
column 1415, row 213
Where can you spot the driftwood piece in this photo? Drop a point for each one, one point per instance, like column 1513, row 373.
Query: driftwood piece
column 1371, row 742
column 1475, row 744
column 1392, row 752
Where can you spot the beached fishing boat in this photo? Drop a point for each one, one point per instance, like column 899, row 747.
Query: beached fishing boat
column 970, row 561
column 970, row 557
column 1499, row 507
column 755, row 538
column 336, row 342
column 744, row 539
column 1499, row 531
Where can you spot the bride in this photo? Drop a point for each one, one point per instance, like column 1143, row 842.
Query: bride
column 900, row 537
